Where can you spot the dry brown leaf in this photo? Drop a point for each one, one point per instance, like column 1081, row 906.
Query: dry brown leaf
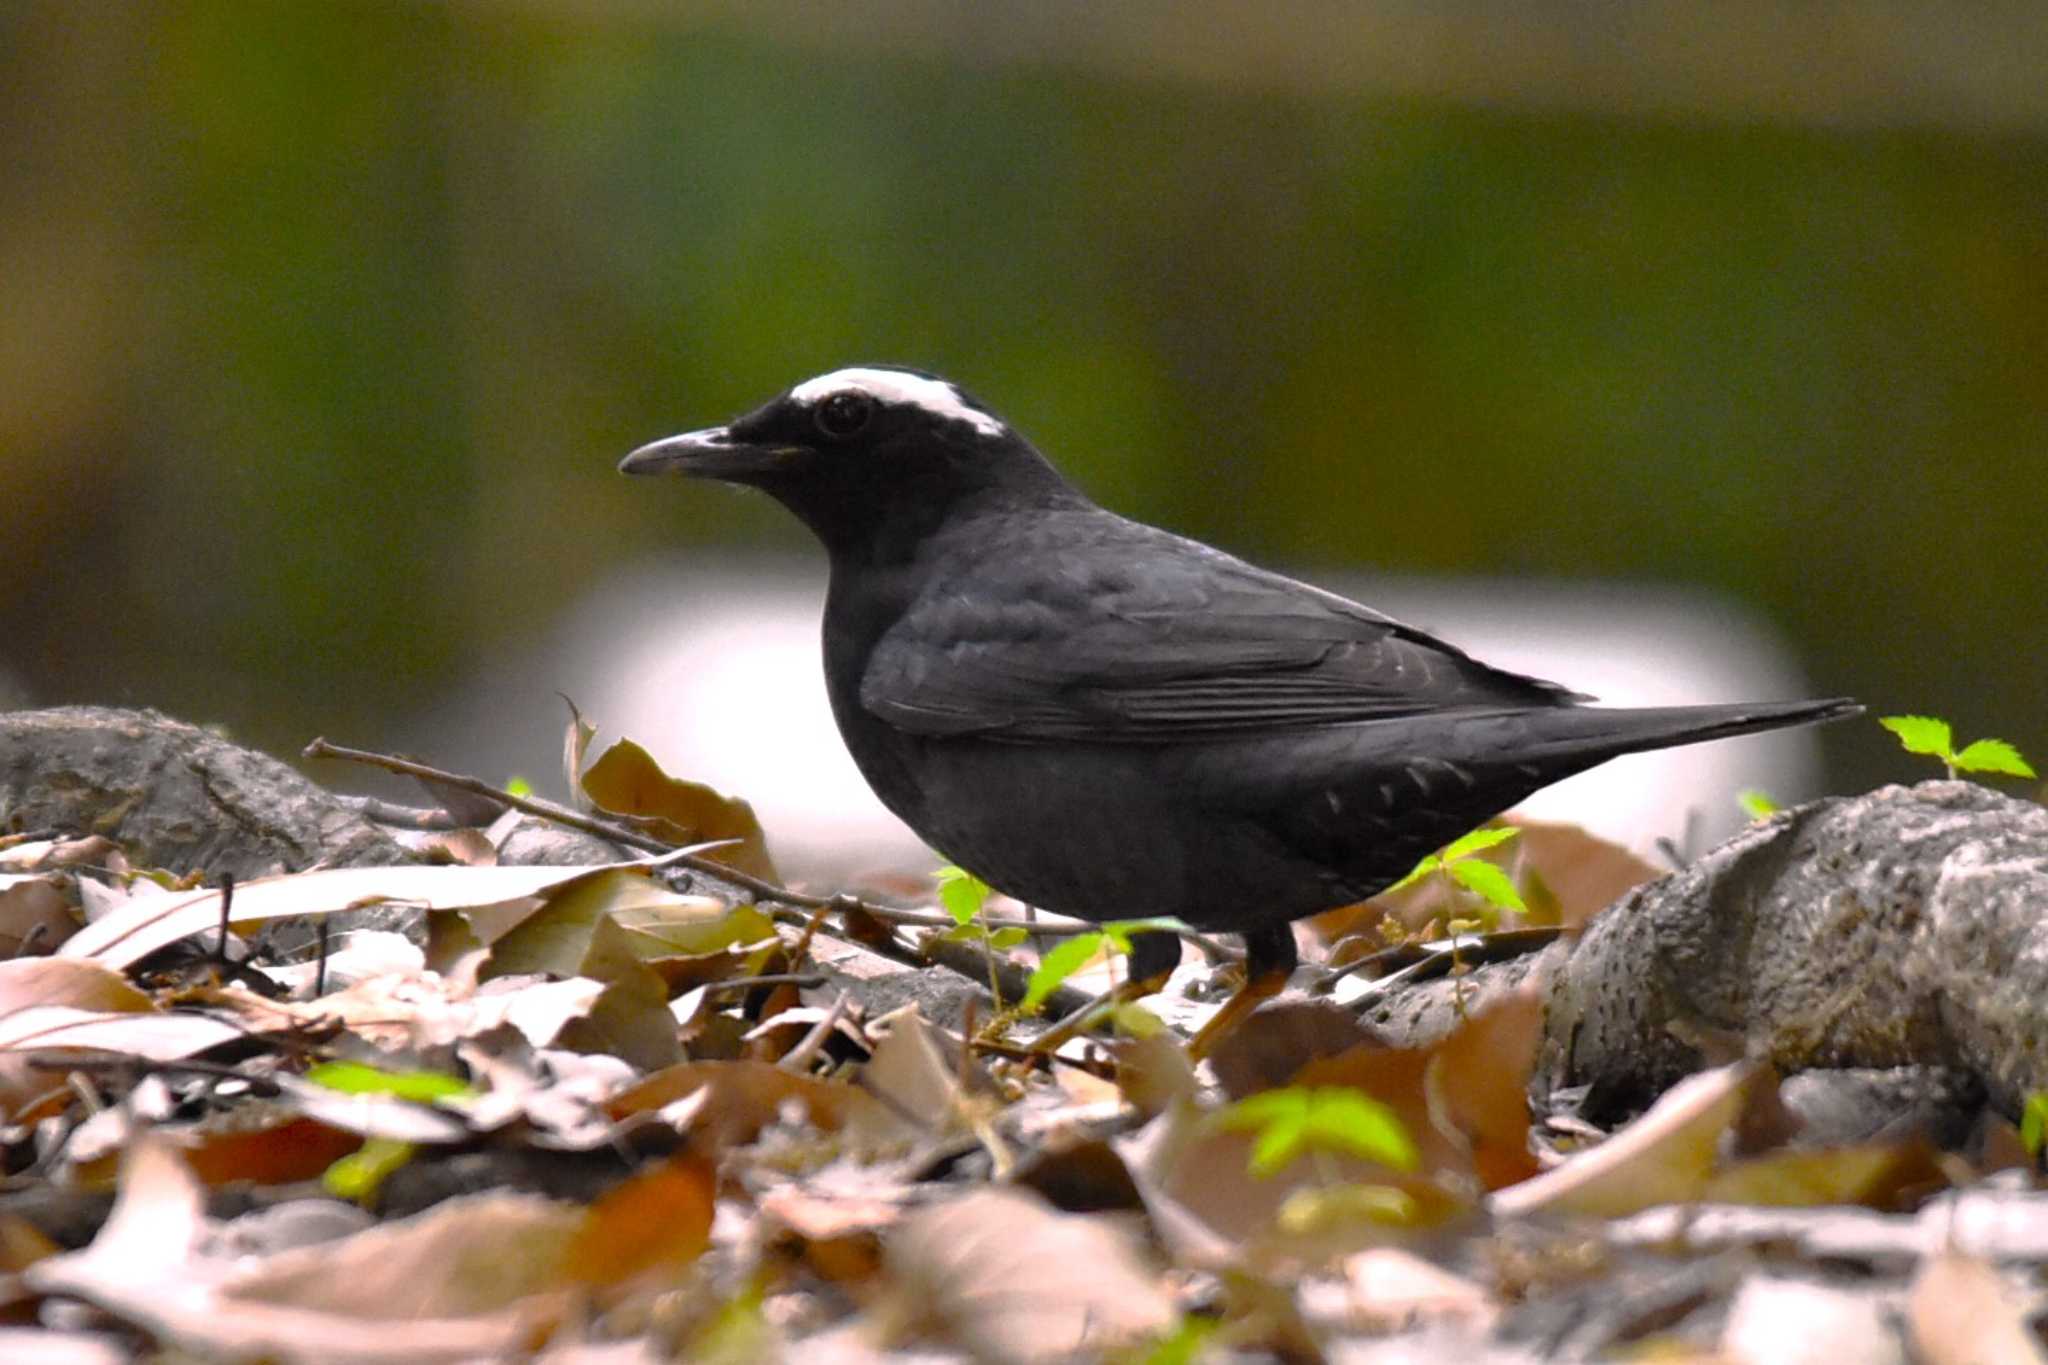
column 34, row 915
column 22, row 1244
column 148, row 923
column 1872, row 1174
column 475, row 1277
column 84, row 985
column 1012, row 1280
column 157, row 1036
column 657, row 1221
column 1154, row 1073
column 555, row 937
column 630, row 1018
column 1214, row 1214
column 275, row 1148
column 1479, row 1081
column 149, row 1242
column 627, row 781
column 745, row 1097
column 909, row 1073
column 1664, row 1157
column 1464, row 1099
column 1962, row 1311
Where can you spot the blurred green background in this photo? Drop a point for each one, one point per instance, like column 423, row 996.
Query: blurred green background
column 325, row 323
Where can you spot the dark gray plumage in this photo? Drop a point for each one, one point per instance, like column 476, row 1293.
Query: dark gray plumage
column 1110, row 721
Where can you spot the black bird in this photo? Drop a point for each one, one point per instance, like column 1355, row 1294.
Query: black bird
column 1110, row 721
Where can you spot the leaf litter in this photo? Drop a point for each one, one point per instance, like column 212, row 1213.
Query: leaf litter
column 581, row 1115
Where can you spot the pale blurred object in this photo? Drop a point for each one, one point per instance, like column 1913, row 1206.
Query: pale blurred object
column 716, row 671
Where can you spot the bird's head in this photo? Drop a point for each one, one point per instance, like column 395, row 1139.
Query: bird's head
column 865, row 453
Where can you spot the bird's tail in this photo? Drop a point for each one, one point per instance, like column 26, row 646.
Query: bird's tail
column 1595, row 733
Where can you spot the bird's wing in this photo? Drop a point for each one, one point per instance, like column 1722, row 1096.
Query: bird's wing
column 1150, row 639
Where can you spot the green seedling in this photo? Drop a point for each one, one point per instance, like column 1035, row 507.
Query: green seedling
column 1184, row 1345
column 2034, row 1125
column 1756, row 804
column 1297, row 1120
column 358, row 1175
column 1070, row 955
column 964, row 895
column 1928, row 735
column 357, row 1078
column 1458, row 862
column 1322, row 1123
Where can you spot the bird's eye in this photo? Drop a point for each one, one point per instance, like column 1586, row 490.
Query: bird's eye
column 843, row 414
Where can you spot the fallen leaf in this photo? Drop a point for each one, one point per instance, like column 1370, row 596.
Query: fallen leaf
column 159, row 1037
column 34, row 915
column 910, row 1074
column 277, row 1147
column 1872, row 1174
column 148, row 923
column 1012, row 1280
column 745, row 1097
column 555, row 937
column 85, row 985
column 476, row 1277
column 658, row 1220
column 625, row 780
column 1664, row 1157
column 1963, row 1311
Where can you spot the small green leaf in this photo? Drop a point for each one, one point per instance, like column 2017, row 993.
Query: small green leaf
column 1182, row 1346
column 1992, row 756
column 2034, row 1123
column 519, row 786
column 1133, row 1020
column 1488, row 881
column 357, row 1176
column 1757, row 805
column 1002, row 940
column 355, row 1078
column 1294, row 1119
column 1921, row 735
column 961, row 893
column 1057, row 965
column 1479, row 839
column 1348, row 1120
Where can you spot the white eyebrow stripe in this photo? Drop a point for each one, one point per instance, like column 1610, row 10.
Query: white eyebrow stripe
column 893, row 386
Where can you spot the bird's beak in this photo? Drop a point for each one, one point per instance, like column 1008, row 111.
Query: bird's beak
column 712, row 453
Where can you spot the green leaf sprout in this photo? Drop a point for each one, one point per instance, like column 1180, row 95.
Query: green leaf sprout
column 1457, row 861
column 1299, row 1119
column 1756, row 804
column 1069, row 956
column 1933, row 737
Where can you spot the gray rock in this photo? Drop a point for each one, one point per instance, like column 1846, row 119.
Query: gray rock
column 175, row 796
column 1906, row 927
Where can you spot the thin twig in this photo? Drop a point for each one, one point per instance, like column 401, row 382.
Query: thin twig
column 107, row 1060
column 798, row 1058
column 747, row 983
column 227, row 900
column 382, row 812
column 320, row 967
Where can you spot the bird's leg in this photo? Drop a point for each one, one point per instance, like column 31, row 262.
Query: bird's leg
column 1154, row 955
column 1269, row 960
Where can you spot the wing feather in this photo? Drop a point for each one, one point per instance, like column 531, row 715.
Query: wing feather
column 1163, row 640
